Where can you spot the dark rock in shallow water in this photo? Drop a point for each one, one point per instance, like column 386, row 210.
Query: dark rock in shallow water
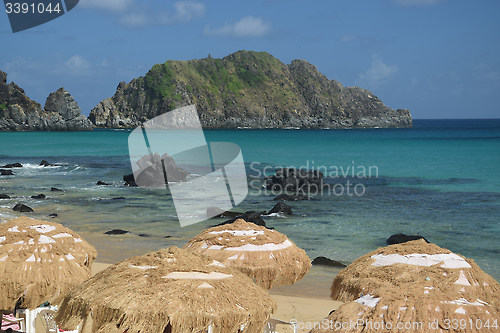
column 5, row 172
column 217, row 212
column 12, row 165
column 52, row 215
column 402, row 238
column 281, row 207
column 101, row 183
column 323, row 261
column 250, row 216
column 119, row 198
column 129, row 180
column 155, row 171
column 55, row 189
column 22, row 208
column 45, row 163
column 116, row 232
column 40, row 196
column 4, row 196
column 291, row 197
column 292, row 179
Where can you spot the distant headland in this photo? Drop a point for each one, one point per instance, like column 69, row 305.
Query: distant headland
column 245, row 89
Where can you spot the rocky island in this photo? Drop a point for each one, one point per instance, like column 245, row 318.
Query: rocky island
column 19, row 113
column 246, row 89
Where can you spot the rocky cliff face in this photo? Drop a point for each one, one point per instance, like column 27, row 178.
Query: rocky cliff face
column 19, row 113
column 246, row 89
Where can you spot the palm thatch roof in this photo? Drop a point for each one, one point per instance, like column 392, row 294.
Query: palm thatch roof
column 267, row 256
column 407, row 310
column 414, row 284
column 171, row 290
column 40, row 261
column 417, row 264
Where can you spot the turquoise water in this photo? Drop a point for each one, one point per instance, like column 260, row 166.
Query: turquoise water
column 440, row 179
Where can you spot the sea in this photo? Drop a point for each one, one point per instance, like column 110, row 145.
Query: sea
column 439, row 179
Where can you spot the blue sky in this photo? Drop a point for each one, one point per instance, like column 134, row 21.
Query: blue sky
column 438, row 58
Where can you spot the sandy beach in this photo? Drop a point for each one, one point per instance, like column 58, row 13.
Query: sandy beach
column 305, row 311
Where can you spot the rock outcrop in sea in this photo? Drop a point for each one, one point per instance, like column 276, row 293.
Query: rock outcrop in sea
column 19, row 113
column 246, row 89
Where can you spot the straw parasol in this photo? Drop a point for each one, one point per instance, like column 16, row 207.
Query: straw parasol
column 412, row 283
column 171, row 290
column 418, row 265
column 265, row 255
column 404, row 310
column 39, row 262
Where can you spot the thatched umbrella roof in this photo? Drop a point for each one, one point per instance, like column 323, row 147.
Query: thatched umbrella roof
column 418, row 265
column 265, row 255
column 171, row 290
column 402, row 310
column 414, row 282
column 39, row 262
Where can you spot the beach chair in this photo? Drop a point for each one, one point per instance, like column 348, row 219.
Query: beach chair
column 272, row 322
column 46, row 317
column 12, row 320
column 30, row 316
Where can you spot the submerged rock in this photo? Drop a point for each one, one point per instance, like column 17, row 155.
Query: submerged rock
column 44, row 163
column 249, row 216
column 116, row 232
column 281, row 207
column 152, row 169
column 22, row 208
column 295, row 180
column 324, row 261
column 40, row 196
column 217, row 212
column 402, row 238
column 12, row 165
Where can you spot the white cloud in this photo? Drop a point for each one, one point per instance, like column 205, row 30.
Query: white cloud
column 184, row 12
column 112, row 5
column 187, row 11
column 247, row 26
column 416, row 2
column 77, row 63
column 346, row 38
column 379, row 72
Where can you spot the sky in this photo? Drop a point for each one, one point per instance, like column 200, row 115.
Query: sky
column 438, row 58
